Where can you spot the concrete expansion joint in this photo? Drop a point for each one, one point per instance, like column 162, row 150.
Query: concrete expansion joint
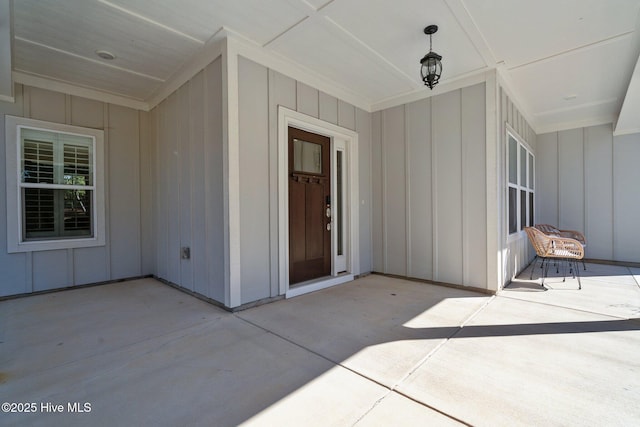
column 633, row 276
column 392, row 389
column 580, row 310
column 422, row 361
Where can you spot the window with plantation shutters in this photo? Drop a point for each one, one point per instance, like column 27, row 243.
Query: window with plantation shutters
column 57, row 195
column 56, row 184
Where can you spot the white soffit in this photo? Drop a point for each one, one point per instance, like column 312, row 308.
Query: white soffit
column 257, row 20
column 576, row 81
column 404, row 49
column 523, row 31
column 80, row 27
column 318, row 44
column 38, row 60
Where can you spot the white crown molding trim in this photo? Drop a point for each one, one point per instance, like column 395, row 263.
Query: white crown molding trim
column 557, row 111
column 211, row 50
column 279, row 63
column 445, row 86
column 622, row 132
column 576, row 124
column 70, row 89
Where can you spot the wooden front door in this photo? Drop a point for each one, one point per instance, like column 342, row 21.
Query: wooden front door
column 309, row 206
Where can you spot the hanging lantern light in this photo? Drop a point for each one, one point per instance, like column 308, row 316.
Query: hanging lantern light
column 431, row 69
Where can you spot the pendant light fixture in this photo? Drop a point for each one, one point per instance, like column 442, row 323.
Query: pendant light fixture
column 431, row 66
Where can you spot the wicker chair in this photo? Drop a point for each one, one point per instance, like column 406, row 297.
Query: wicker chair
column 571, row 234
column 549, row 247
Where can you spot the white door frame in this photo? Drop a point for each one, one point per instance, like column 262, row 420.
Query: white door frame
column 346, row 139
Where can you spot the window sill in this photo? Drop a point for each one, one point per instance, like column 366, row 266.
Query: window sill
column 50, row 245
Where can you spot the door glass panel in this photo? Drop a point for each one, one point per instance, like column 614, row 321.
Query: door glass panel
column 307, row 156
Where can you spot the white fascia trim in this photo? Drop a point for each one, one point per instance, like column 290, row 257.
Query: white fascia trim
column 71, row 89
column 211, row 50
column 283, row 65
column 466, row 80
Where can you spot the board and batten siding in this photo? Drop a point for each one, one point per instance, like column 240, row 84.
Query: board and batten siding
column 517, row 251
column 186, row 164
column 261, row 91
column 588, row 181
column 121, row 256
column 429, row 192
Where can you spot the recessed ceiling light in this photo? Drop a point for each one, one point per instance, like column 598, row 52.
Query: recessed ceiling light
column 105, row 55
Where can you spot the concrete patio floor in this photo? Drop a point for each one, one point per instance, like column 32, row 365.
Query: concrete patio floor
column 378, row 351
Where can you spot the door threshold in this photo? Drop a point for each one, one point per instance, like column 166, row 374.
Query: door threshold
column 317, row 284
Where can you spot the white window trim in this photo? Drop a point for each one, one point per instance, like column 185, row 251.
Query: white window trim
column 15, row 242
column 520, row 233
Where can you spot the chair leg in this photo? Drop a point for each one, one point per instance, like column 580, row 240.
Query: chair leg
column 545, row 271
column 533, row 266
column 578, row 275
column 584, row 265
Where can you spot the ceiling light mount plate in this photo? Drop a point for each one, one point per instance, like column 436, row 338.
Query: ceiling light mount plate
column 104, row 54
column 431, row 29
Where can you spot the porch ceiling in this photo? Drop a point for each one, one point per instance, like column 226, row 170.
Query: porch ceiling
column 568, row 62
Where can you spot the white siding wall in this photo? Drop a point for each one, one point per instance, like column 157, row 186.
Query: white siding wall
column 429, row 192
column 588, row 181
column 121, row 256
column 186, row 185
column 261, row 90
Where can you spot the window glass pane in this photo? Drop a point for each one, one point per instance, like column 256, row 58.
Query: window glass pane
column 531, row 182
column 307, row 156
column 523, row 209
column 339, row 207
column 56, row 158
column 38, row 212
column 77, row 164
column 56, row 213
column 513, row 208
column 513, row 160
column 37, row 162
column 523, row 166
column 531, row 222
